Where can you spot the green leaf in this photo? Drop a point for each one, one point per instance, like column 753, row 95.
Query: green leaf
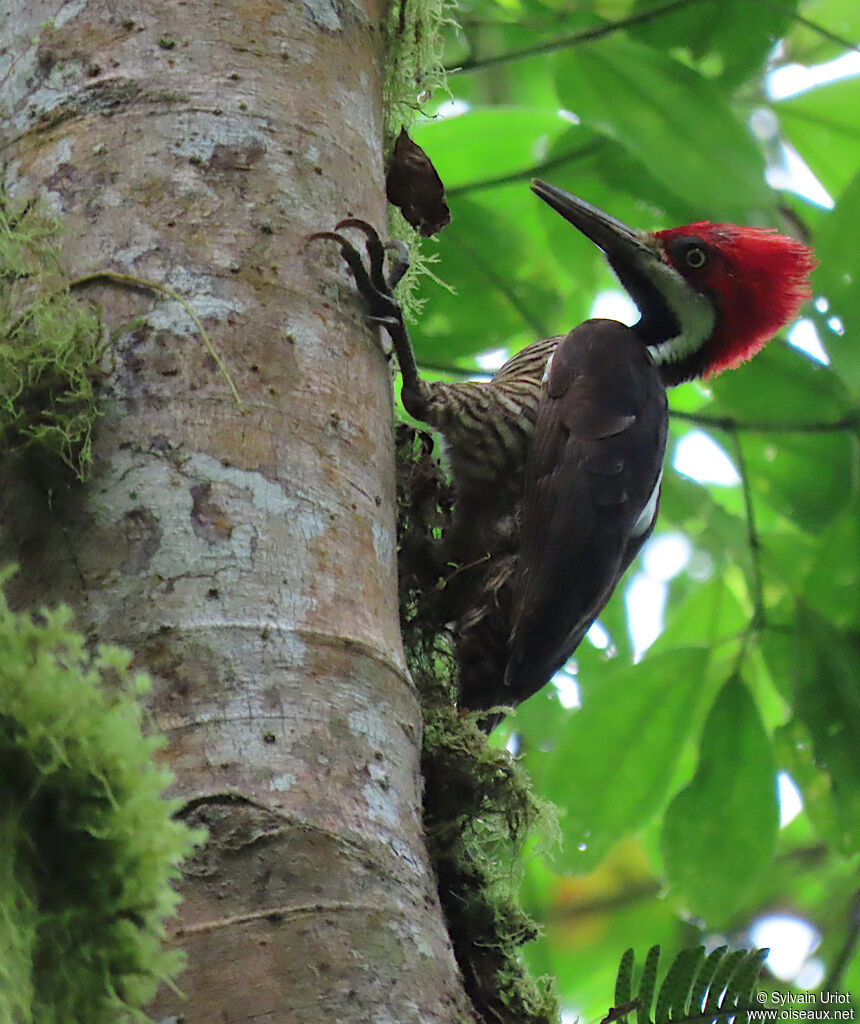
column 498, row 296
column 711, row 614
column 488, row 142
column 802, row 476
column 805, row 43
column 780, row 385
column 700, row 512
column 735, row 34
column 719, row 833
column 832, row 583
column 838, row 280
column 822, row 125
column 621, row 748
column 672, row 119
column 827, row 701
column 799, row 471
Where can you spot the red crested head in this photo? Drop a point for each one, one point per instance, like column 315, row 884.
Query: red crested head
column 709, row 295
column 757, row 278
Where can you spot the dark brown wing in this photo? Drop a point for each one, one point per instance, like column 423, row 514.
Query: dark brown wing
column 590, row 501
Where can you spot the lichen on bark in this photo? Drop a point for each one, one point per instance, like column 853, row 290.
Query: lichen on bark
column 413, row 66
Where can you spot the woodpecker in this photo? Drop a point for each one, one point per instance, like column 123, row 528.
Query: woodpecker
column 557, row 460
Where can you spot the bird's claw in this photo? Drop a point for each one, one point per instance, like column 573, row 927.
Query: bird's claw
column 373, row 285
column 400, row 263
column 383, row 321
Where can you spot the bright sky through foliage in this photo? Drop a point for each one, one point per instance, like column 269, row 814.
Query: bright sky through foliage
column 698, row 456
column 492, row 360
column 613, row 304
column 790, row 940
column 663, row 557
column 790, row 801
column 804, row 335
column 792, row 79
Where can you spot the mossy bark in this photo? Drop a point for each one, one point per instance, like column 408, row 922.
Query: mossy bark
column 246, row 555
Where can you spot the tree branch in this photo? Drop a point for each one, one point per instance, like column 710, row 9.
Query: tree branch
column 630, row 895
column 567, row 42
column 527, row 173
column 813, row 26
column 850, row 421
column 758, row 620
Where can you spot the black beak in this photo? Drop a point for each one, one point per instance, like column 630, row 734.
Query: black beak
column 635, row 257
column 623, row 246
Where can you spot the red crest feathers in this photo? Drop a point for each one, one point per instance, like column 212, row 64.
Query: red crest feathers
column 759, row 278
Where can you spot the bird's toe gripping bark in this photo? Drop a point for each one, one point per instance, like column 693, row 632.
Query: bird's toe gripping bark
column 373, row 284
column 377, row 290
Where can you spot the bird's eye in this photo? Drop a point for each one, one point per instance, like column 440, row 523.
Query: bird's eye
column 695, row 257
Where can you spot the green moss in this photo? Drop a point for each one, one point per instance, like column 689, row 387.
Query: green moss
column 50, row 344
column 87, row 845
column 479, row 810
column 479, row 807
column 413, row 73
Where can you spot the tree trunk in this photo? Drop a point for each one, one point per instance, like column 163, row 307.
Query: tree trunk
column 246, row 555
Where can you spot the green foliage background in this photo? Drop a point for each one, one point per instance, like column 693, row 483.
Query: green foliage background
column 666, row 778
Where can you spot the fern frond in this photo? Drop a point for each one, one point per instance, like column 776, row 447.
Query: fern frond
column 675, row 990
column 743, row 983
column 719, row 991
column 705, row 976
column 696, row 989
column 647, row 985
column 624, row 981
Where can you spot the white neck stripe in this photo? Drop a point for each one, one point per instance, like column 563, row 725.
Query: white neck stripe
column 693, row 311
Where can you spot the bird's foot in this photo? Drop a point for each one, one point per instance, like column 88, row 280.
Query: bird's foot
column 377, row 290
column 373, row 284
